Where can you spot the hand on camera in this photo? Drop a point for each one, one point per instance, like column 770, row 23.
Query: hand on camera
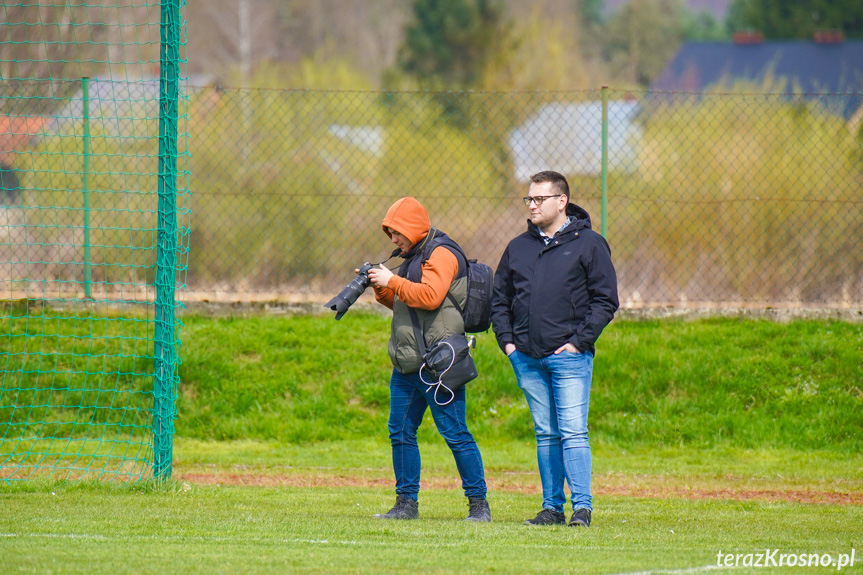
column 380, row 276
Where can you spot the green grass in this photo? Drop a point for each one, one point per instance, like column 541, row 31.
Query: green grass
column 688, row 416
column 704, row 383
column 695, row 383
column 785, row 467
column 188, row 527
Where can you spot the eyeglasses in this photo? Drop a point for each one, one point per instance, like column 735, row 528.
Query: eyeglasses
column 537, row 199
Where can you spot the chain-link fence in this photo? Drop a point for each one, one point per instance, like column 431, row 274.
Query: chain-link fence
column 712, row 199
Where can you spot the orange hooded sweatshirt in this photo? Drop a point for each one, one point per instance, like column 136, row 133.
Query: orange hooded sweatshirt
column 408, row 217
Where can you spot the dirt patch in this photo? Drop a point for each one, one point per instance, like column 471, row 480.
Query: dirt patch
column 233, row 304
column 517, row 484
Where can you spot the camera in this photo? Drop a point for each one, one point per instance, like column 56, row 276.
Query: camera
column 349, row 294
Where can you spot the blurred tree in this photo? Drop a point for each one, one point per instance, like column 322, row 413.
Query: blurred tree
column 546, row 51
column 642, row 36
column 65, row 40
column 703, row 27
column 782, row 19
column 230, row 39
column 591, row 11
column 364, row 32
column 231, row 35
column 451, row 42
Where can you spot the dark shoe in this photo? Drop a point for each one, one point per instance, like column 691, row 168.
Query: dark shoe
column 479, row 510
column 403, row 509
column 580, row 518
column 547, row 517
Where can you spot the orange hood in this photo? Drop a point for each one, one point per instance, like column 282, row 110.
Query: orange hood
column 408, row 217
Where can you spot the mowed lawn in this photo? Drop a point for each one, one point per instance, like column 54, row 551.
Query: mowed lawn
column 255, row 507
column 710, row 437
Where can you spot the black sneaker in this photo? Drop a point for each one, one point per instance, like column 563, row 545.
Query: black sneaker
column 547, row 517
column 403, row 509
column 479, row 510
column 580, row 518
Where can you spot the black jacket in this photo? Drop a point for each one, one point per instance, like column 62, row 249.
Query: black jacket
column 545, row 296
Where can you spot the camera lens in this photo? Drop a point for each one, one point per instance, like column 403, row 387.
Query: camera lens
column 351, row 292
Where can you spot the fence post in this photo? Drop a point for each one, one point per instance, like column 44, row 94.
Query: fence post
column 164, row 342
column 85, row 95
column 604, row 168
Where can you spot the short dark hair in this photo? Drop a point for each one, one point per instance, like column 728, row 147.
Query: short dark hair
column 558, row 182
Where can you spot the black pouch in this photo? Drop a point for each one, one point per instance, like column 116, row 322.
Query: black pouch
column 449, row 365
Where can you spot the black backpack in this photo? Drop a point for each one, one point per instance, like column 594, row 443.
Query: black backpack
column 480, row 283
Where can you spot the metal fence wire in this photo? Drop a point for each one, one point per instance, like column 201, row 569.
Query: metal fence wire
column 713, row 199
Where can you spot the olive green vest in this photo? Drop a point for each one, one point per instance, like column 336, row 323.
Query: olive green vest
column 435, row 325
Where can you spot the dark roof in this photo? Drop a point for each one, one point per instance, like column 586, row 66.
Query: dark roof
column 811, row 68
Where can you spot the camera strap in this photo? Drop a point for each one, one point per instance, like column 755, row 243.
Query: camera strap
column 394, row 254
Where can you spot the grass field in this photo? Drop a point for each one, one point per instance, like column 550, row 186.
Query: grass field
column 263, row 507
column 710, row 436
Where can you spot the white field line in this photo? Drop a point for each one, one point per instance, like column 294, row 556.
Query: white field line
column 57, row 535
column 334, row 542
column 673, row 571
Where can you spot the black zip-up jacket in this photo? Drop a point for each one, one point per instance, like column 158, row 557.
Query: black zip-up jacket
column 548, row 295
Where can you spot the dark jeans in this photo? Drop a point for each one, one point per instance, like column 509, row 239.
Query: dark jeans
column 408, row 403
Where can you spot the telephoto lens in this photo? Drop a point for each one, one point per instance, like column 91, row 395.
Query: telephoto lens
column 349, row 294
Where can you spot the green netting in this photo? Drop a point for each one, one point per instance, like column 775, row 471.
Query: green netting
column 93, row 237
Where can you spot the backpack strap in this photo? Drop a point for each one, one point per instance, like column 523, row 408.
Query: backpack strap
column 434, row 241
column 430, row 245
column 455, row 303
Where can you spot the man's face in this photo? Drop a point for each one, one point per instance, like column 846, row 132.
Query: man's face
column 401, row 241
column 545, row 213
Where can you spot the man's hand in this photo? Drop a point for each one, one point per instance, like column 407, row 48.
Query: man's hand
column 509, row 349
column 566, row 346
column 380, row 276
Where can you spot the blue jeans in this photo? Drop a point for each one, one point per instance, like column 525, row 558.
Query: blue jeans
column 408, row 403
column 557, row 389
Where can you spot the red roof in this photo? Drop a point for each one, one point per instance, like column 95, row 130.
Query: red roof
column 17, row 134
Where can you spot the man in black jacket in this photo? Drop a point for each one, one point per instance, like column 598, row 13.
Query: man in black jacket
column 555, row 290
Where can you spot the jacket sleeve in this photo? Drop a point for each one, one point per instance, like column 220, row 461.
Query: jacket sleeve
column 501, row 303
column 384, row 296
column 602, row 291
column 439, row 272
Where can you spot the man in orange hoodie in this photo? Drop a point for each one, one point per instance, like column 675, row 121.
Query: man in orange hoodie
column 418, row 296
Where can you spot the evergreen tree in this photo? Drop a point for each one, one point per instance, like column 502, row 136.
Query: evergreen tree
column 452, row 41
column 591, row 11
column 643, row 36
column 787, row 19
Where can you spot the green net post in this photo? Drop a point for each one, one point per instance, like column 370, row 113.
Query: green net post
column 165, row 342
column 88, row 273
column 94, row 231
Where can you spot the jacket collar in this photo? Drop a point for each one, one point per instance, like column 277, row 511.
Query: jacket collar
column 580, row 221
